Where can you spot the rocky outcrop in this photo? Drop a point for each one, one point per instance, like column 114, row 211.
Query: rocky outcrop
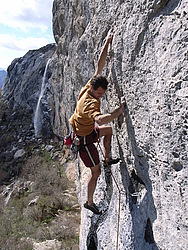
column 23, row 83
column 24, row 77
column 2, row 77
column 147, row 64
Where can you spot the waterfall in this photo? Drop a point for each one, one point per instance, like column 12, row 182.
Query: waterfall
column 37, row 117
column 8, row 192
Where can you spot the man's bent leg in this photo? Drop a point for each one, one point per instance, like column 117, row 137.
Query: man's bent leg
column 106, row 131
column 92, row 182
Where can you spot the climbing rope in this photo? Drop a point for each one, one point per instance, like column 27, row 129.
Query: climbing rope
column 115, row 181
column 119, row 191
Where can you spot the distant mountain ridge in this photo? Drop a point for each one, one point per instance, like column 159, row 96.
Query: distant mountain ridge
column 3, row 74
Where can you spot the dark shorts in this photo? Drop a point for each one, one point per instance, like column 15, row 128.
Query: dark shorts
column 88, row 151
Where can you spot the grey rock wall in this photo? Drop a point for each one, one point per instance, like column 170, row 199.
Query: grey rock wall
column 23, row 84
column 148, row 65
column 24, row 77
column 2, row 77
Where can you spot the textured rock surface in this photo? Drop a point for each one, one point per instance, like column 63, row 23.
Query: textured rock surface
column 148, row 65
column 2, row 77
column 24, row 79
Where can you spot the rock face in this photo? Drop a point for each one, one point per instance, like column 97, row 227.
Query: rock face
column 147, row 64
column 2, row 77
column 23, row 83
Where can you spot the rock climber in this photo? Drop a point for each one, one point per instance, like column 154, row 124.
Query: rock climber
column 83, row 120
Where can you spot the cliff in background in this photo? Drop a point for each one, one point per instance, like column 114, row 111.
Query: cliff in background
column 147, row 64
column 23, row 84
column 2, row 77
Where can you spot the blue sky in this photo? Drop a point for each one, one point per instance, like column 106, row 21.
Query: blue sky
column 24, row 25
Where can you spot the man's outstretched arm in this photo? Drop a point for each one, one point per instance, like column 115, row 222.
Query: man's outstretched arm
column 106, row 118
column 102, row 58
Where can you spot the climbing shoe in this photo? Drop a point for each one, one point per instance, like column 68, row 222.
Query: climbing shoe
column 111, row 162
column 93, row 208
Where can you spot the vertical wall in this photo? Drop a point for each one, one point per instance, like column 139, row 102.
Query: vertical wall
column 148, row 65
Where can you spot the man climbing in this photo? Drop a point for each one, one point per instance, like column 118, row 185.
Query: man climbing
column 83, row 120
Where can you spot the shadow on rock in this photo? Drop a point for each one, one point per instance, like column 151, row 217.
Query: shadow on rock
column 137, row 181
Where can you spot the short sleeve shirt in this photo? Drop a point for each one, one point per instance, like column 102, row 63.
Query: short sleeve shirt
column 86, row 110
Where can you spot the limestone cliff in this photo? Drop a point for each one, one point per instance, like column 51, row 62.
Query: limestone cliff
column 23, row 83
column 147, row 64
column 2, row 77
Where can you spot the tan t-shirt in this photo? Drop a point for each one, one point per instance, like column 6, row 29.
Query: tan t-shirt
column 87, row 108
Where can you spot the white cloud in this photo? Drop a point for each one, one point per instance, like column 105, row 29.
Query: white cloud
column 26, row 14
column 12, row 47
column 24, row 25
column 22, row 44
column 7, row 56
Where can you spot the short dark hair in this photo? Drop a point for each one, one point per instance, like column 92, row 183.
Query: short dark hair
column 99, row 81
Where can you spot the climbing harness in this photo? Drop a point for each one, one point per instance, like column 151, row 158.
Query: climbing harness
column 68, row 140
column 75, row 145
column 72, row 141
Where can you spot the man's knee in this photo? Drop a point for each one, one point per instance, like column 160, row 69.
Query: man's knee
column 105, row 131
column 108, row 132
column 95, row 171
column 98, row 172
